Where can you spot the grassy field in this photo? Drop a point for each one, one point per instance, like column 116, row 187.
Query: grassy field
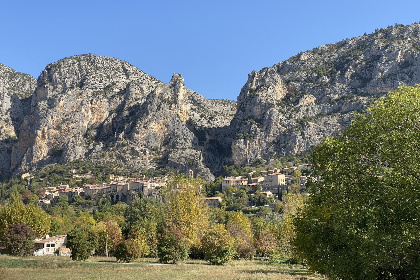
column 107, row 268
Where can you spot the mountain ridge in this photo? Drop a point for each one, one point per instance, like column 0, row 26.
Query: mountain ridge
column 105, row 109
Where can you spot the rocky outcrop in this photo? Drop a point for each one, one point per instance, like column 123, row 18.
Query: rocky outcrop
column 104, row 109
column 15, row 90
column 290, row 107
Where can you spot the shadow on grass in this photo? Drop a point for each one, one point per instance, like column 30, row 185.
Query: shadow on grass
column 293, row 272
column 108, row 261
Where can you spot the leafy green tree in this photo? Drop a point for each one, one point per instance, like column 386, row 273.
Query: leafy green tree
column 185, row 219
column 296, row 177
column 218, row 245
column 145, row 233
column 33, row 199
column 144, row 209
column 362, row 218
column 293, row 203
column 127, row 251
column 144, row 217
column 19, row 240
column 62, row 203
column 82, row 240
column 264, row 237
column 218, row 216
column 173, row 245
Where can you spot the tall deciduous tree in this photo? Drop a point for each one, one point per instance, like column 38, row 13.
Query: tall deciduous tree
column 185, row 209
column 82, row 241
column 363, row 216
column 109, row 236
column 127, row 251
column 239, row 227
column 186, row 219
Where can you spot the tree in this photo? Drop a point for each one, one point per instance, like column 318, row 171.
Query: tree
column 173, row 245
column 218, row 245
column 144, row 217
column 127, row 251
column 19, row 240
column 144, row 209
column 82, row 241
column 362, row 218
column 184, row 208
column 31, row 215
column 293, row 203
column 264, row 238
column 62, row 201
column 296, row 177
column 109, row 236
column 145, row 233
column 239, row 227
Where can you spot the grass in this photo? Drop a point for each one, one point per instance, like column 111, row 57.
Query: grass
column 107, row 268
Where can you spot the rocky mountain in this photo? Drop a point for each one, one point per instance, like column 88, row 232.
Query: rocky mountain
column 104, row 109
column 15, row 91
column 293, row 105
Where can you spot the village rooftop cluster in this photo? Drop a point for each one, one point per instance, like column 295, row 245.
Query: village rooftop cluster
column 127, row 189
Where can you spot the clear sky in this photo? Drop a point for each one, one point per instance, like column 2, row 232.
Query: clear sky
column 213, row 44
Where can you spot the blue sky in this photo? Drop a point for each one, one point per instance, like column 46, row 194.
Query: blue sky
column 213, row 44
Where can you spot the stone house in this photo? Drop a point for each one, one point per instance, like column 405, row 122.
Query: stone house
column 234, row 181
column 49, row 245
column 272, row 182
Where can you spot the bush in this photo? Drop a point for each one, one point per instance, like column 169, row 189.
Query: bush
column 19, row 240
column 127, row 251
column 218, row 245
column 173, row 246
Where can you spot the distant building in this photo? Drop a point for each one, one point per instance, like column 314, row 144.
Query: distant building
column 235, row 181
column 272, row 182
column 49, row 245
column 213, row 201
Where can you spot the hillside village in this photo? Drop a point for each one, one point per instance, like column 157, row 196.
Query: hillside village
column 126, row 189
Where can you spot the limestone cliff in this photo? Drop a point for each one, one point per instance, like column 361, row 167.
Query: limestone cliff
column 104, row 109
column 288, row 108
column 15, row 90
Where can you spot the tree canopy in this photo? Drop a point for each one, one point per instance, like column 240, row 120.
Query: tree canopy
column 82, row 241
column 362, row 220
column 18, row 213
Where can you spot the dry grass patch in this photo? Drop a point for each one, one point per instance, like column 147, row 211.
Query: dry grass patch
column 106, row 268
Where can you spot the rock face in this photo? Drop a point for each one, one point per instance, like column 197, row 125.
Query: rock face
column 292, row 106
column 104, row 109
column 15, row 90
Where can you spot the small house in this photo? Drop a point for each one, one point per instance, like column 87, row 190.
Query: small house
column 49, row 245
